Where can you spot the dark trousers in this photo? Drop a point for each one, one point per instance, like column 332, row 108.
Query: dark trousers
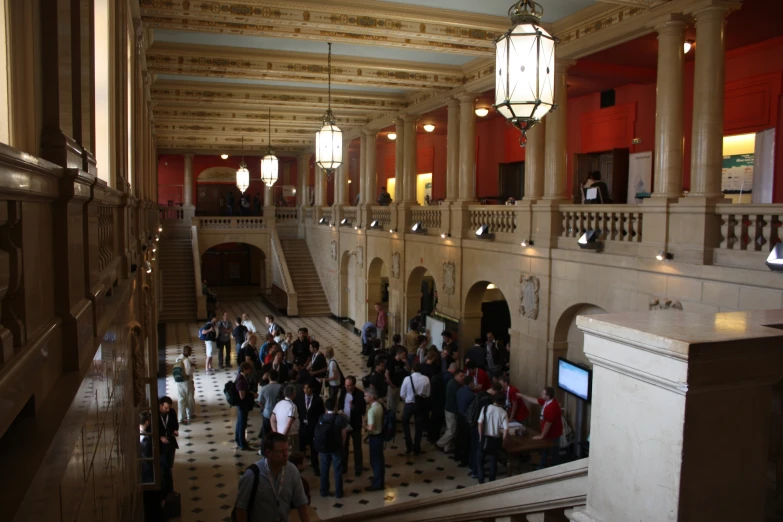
column 553, row 452
column 419, row 420
column 326, row 463
column 167, row 452
column 239, row 429
column 489, row 447
column 354, row 435
column 474, row 447
column 462, row 452
column 224, row 346
column 266, row 427
column 436, row 421
column 306, row 439
column 376, row 461
column 334, row 391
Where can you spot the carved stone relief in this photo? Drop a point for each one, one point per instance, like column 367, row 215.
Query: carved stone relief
column 360, row 257
column 529, row 286
column 449, row 277
column 664, row 303
column 395, row 268
column 334, row 250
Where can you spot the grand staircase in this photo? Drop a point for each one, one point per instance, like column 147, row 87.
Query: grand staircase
column 176, row 266
column 310, row 294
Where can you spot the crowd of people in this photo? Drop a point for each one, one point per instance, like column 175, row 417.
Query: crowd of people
column 308, row 406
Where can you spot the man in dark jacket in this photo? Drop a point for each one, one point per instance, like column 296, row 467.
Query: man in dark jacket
column 168, row 431
column 311, row 407
column 301, row 346
column 353, row 405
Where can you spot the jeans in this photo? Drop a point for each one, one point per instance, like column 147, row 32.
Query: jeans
column 474, row 448
column 358, row 460
column 266, row 427
column 326, row 462
column 488, row 447
column 239, row 430
column 334, row 392
column 376, row 461
column 221, row 346
column 462, row 451
column 447, row 440
column 419, row 419
column 187, row 401
column 553, row 451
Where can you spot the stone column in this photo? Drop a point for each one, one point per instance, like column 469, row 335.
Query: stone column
column 302, row 171
column 363, row 170
column 555, row 154
column 187, row 189
column 269, row 196
column 399, row 160
column 467, row 148
column 534, row 161
column 342, row 193
column 668, row 108
column 452, row 151
column 320, row 187
column 370, row 192
column 662, row 384
column 708, row 88
column 409, row 159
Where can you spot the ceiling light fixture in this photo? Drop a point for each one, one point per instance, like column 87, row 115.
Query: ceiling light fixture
column 243, row 175
column 525, row 65
column 224, row 156
column 481, row 111
column 392, row 136
column 429, row 127
column 687, row 46
column 329, row 140
column 269, row 163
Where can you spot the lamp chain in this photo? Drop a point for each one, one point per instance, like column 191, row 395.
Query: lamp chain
column 330, row 75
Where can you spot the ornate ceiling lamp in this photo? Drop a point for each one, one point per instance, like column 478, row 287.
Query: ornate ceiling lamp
column 243, row 175
column 269, row 163
column 525, row 67
column 329, row 140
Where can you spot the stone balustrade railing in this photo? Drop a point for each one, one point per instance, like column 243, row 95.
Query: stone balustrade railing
column 170, row 213
column 229, row 222
column 501, row 219
column 351, row 214
column 615, row 223
column 308, row 215
column 752, row 228
column 430, row 217
column 326, row 213
column 382, row 215
column 286, row 213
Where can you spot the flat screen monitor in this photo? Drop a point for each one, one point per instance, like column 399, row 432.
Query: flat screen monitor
column 574, row 379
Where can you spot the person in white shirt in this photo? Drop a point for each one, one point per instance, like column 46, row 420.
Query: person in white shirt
column 271, row 325
column 247, row 323
column 493, row 429
column 415, row 393
column 335, row 377
column 285, row 417
column 187, row 389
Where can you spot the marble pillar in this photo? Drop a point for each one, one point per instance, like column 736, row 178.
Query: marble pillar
column 269, row 196
column 302, row 171
column 369, row 166
column 364, row 200
column 187, row 190
column 534, row 162
column 555, row 154
column 708, row 93
column 320, row 183
column 669, row 108
column 399, row 160
column 467, row 148
column 342, row 192
column 409, row 159
column 452, row 151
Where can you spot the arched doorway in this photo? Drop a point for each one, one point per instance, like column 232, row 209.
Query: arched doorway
column 420, row 294
column 377, row 287
column 236, row 266
column 486, row 310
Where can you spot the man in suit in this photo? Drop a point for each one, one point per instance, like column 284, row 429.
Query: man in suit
column 311, row 407
column 353, row 405
column 168, row 431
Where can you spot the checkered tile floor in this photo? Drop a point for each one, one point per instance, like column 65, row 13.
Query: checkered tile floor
column 207, row 468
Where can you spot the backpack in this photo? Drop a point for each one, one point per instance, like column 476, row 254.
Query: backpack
column 231, row 393
column 211, row 336
column 178, row 371
column 473, row 411
column 389, row 425
column 325, row 439
column 251, row 501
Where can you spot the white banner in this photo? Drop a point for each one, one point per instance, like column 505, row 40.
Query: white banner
column 640, row 165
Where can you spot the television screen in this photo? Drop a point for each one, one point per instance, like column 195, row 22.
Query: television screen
column 574, row 379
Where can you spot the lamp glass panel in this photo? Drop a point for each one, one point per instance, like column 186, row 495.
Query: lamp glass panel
column 329, row 147
column 269, row 169
column 243, row 179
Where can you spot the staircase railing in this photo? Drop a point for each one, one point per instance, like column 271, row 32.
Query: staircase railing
column 201, row 300
column 280, row 273
column 552, row 489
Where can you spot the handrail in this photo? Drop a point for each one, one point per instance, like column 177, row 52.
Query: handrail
column 285, row 276
column 752, row 228
column 201, row 300
column 616, row 223
column 558, row 487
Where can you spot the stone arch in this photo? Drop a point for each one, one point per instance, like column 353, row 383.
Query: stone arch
column 252, row 269
column 414, row 294
column 344, row 293
column 259, row 240
column 479, row 316
column 377, row 286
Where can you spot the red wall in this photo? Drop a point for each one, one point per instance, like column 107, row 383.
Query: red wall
column 496, row 142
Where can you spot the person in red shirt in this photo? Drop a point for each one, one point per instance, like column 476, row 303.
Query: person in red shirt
column 551, row 424
column 380, row 325
column 515, row 407
column 476, row 378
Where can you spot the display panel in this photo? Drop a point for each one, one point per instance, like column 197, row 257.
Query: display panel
column 574, row 379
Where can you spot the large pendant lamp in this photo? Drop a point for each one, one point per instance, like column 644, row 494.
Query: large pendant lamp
column 525, row 68
column 329, row 140
column 243, row 175
column 269, row 163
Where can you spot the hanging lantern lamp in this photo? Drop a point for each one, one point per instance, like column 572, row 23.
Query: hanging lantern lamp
column 329, row 140
column 243, row 175
column 269, row 163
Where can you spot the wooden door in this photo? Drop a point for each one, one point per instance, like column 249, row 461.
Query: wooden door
column 620, row 165
column 511, row 181
column 584, row 164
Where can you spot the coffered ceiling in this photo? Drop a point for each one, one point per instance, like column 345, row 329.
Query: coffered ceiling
column 219, row 66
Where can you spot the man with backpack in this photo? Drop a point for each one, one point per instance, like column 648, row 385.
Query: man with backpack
column 353, row 406
column 183, row 376
column 208, row 334
column 375, row 437
column 482, row 400
column 270, row 487
column 330, row 435
column 415, row 392
column 493, row 429
column 244, row 403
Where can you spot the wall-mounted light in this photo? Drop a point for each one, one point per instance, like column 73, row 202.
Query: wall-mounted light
column 526, row 242
column 392, row 136
column 154, row 249
column 160, row 228
column 418, row 228
column 349, row 181
column 589, row 240
column 224, row 156
column 356, row 227
column 663, row 255
column 481, row 111
column 376, row 225
column 492, row 286
column 392, row 230
column 483, row 232
column 429, row 127
column 148, row 267
column 445, row 235
column 775, row 258
column 323, row 221
column 157, row 237
column 345, row 222
column 687, row 46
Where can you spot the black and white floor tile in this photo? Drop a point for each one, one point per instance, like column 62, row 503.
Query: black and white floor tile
column 207, row 467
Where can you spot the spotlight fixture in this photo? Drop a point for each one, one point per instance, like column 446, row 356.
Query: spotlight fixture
column 391, row 231
column 483, row 232
column 492, row 286
column 775, row 258
column 445, row 235
column 224, row 156
column 157, row 237
column 345, row 222
column 160, row 228
column 154, row 249
column 375, row 225
column 526, row 242
column 481, row 111
column 589, row 240
column 323, row 221
column 392, row 136
column 356, row 227
column 148, row 267
column 687, row 46
column 429, row 127
column 418, row 228
column 663, row 255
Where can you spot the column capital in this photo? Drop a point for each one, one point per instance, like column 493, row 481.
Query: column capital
column 468, row 97
column 188, row 155
column 369, row 133
column 670, row 22
column 453, row 102
column 410, row 118
column 714, row 7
